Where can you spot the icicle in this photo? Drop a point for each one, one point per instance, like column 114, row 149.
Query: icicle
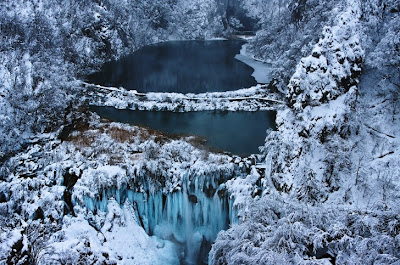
column 192, row 216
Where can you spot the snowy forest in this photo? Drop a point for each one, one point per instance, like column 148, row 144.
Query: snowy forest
column 323, row 188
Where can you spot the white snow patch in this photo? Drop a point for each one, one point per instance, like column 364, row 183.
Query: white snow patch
column 217, row 38
column 261, row 70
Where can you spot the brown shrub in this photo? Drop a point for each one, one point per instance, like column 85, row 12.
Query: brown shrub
column 121, row 135
column 82, row 140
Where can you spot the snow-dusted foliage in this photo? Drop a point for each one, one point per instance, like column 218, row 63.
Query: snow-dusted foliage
column 66, row 197
column 333, row 67
column 29, row 89
column 334, row 156
column 150, row 161
column 315, row 132
column 289, row 30
column 45, row 44
column 284, row 232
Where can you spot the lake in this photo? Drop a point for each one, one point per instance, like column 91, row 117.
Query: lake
column 190, row 67
column 179, row 66
column 239, row 133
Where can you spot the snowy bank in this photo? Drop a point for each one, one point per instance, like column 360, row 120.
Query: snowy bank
column 249, row 99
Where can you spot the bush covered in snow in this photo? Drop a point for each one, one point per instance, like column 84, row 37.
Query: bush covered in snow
column 277, row 231
column 328, row 189
column 289, row 30
column 333, row 67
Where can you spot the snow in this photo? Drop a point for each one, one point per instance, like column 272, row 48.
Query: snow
column 327, row 160
column 261, row 69
column 217, row 38
column 7, row 241
column 248, row 99
column 325, row 184
column 121, row 238
column 167, row 183
column 134, row 245
column 333, row 66
column 245, row 37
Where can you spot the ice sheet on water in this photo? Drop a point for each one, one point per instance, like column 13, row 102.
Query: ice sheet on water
column 261, row 70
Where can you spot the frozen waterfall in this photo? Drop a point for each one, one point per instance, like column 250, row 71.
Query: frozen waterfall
column 191, row 216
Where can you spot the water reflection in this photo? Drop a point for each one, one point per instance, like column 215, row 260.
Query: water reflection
column 179, row 66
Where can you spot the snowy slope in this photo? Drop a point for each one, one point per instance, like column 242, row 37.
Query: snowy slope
column 328, row 190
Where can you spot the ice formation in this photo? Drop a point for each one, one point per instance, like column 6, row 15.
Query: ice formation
column 191, row 216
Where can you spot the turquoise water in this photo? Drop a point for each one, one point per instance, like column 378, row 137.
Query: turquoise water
column 190, row 218
column 240, row 133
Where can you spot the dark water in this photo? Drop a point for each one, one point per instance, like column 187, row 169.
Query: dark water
column 240, row 133
column 179, row 66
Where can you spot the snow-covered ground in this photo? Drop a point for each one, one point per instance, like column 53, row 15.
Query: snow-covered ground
column 102, row 186
column 121, row 239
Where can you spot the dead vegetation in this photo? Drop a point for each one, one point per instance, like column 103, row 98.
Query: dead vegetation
column 82, row 139
column 120, row 134
column 102, row 139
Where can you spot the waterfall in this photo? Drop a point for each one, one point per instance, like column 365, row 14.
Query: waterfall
column 191, row 216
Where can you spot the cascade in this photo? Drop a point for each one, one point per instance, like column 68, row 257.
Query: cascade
column 191, row 216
